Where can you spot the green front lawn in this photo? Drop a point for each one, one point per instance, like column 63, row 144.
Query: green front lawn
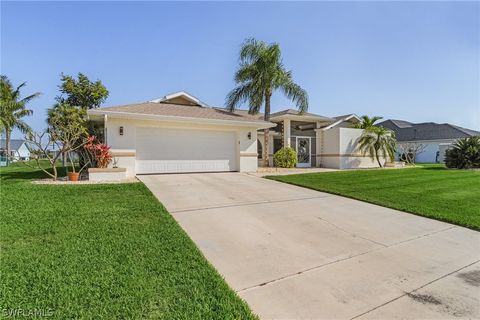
column 102, row 251
column 431, row 190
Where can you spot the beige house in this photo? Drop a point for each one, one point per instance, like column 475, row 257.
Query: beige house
column 180, row 133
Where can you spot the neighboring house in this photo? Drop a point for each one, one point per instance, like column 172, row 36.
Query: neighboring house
column 436, row 137
column 18, row 149
column 180, row 133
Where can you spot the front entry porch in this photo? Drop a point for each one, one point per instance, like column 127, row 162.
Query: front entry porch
column 299, row 135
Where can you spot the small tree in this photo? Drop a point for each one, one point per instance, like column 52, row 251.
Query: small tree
column 409, row 151
column 82, row 92
column 67, row 126
column 40, row 146
column 66, row 132
column 378, row 142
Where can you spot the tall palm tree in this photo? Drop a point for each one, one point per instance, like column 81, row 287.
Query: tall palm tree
column 13, row 109
column 367, row 122
column 378, row 142
column 261, row 72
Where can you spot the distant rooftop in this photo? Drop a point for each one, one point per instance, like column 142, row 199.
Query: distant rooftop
column 407, row 131
column 15, row 144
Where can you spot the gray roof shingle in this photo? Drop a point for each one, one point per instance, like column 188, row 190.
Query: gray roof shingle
column 407, row 131
column 15, row 144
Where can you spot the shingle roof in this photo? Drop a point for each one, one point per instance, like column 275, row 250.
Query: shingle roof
column 177, row 110
column 297, row 113
column 15, row 144
column 427, row 131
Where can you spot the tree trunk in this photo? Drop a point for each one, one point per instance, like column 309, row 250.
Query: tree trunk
column 266, row 131
column 7, row 144
column 55, row 174
column 378, row 159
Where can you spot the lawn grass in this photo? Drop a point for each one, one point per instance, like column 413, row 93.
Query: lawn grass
column 431, row 190
column 102, row 251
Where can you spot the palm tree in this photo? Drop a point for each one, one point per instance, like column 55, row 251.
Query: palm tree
column 367, row 122
column 261, row 72
column 13, row 109
column 378, row 142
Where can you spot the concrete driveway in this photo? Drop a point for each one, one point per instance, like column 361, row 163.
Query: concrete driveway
column 294, row 253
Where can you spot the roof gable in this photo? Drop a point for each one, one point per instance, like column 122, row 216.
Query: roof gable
column 181, row 98
column 15, row 144
column 297, row 115
column 352, row 118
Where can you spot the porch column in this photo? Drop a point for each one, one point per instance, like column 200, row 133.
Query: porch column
column 286, row 133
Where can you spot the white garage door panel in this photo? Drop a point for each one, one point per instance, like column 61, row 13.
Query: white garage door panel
column 161, row 150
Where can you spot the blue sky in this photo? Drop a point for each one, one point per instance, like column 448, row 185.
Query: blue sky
column 417, row 61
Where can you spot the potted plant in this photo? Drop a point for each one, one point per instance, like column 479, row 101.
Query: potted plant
column 74, row 175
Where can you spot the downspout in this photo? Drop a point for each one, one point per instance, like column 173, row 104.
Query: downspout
column 105, row 119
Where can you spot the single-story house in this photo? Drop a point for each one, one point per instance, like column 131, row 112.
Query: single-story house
column 18, row 149
column 180, row 133
column 435, row 137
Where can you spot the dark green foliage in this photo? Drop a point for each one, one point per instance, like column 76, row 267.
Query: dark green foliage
column 366, row 122
column 105, row 251
column 285, row 158
column 431, row 191
column 464, row 154
column 260, row 74
column 13, row 108
column 82, row 92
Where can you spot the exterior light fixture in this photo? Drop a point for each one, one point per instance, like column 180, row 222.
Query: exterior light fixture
column 249, row 135
column 121, row 131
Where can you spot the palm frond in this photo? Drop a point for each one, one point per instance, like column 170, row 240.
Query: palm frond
column 238, row 95
column 295, row 93
column 16, row 93
column 251, row 50
column 23, row 127
column 260, row 73
column 366, row 122
column 31, row 97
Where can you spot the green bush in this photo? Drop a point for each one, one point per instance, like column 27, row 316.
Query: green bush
column 285, row 158
column 464, row 154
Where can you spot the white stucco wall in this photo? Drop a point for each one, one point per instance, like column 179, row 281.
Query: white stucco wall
column 21, row 154
column 430, row 153
column 442, row 148
column 246, row 147
column 339, row 149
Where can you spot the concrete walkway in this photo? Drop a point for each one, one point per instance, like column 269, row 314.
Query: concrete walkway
column 294, row 253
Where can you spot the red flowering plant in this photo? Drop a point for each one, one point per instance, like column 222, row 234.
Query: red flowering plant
column 100, row 152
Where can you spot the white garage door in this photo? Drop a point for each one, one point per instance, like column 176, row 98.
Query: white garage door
column 162, row 150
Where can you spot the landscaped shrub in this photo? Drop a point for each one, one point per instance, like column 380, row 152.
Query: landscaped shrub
column 464, row 154
column 100, row 152
column 285, row 158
